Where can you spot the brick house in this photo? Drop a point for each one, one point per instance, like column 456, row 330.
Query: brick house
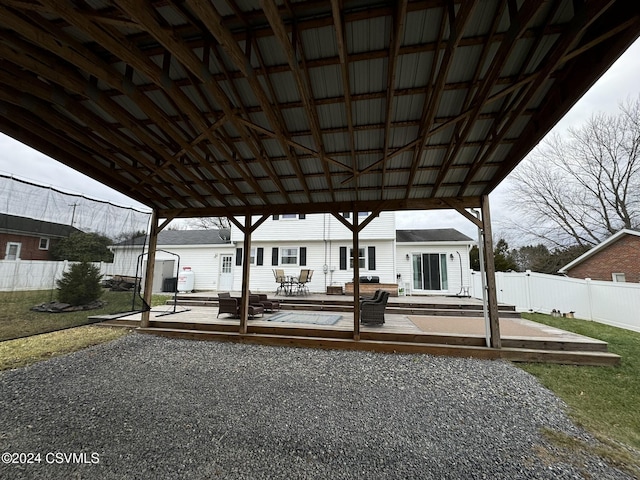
column 23, row 238
column 616, row 259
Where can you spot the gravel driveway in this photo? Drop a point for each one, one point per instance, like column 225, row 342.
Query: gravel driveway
column 153, row 408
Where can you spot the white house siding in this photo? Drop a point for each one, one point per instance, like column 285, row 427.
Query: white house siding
column 457, row 277
column 204, row 261
column 316, row 227
column 318, row 255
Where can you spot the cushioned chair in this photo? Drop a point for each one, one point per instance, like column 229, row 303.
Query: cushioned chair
column 375, row 297
column 372, row 311
column 231, row 305
column 269, row 305
column 228, row 305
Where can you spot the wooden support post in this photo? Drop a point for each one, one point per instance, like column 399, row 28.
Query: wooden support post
column 151, row 261
column 490, row 270
column 356, row 277
column 246, row 258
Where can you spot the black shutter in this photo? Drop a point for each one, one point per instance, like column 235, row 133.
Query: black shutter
column 238, row 257
column 302, row 216
column 260, row 256
column 372, row 258
column 343, row 258
column 303, row 256
column 274, row 256
column 276, row 217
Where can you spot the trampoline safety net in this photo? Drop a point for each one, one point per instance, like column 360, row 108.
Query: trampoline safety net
column 47, row 239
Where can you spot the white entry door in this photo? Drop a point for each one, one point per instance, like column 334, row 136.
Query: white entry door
column 226, row 273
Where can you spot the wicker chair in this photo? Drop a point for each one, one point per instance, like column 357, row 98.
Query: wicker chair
column 372, row 311
column 269, row 305
column 231, row 305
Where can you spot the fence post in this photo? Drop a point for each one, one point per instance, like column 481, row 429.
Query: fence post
column 589, row 297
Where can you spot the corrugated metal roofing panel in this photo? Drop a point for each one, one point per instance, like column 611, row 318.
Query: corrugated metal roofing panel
column 319, row 42
column 401, row 136
column 333, row 115
column 422, row 26
column 285, row 87
column 368, row 35
column 461, row 69
column 368, row 76
column 326, row 82
column 408, row 107
column 295, row 119
column 367, row 112
column 413, row 70
column 336, row 142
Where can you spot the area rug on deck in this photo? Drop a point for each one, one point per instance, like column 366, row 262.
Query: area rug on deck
column 293, row 317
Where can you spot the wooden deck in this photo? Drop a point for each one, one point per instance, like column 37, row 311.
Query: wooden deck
column 431, row 325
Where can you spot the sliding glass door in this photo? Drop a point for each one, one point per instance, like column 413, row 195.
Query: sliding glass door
column 430, row 271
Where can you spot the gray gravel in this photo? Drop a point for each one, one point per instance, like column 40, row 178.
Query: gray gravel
column 149, row 407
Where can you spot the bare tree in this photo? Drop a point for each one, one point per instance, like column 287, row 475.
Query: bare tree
column 582, row 188
column 210, row 223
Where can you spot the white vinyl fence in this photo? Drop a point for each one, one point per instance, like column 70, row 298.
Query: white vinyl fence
column 612, row 303
column 37, row 274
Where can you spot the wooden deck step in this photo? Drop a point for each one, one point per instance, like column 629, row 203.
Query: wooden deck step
column 388, row 346
column 344, row 306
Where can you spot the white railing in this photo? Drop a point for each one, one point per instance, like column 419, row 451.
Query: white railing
column 37, row 274
column 612, row 303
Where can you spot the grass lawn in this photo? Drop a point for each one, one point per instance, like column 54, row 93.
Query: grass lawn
column 604, row 400
column 25, row 351
column 17, row 320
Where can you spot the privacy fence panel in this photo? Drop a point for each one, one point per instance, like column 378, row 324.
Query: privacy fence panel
column 612, row 303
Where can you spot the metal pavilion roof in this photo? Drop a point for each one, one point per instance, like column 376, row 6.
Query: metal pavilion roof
column 200, row 108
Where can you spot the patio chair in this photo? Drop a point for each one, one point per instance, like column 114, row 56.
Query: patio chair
column 303, row 279
column 373, row 311
column 375, row 297
column 269, row 305
column 281, row 278
column 228, row 304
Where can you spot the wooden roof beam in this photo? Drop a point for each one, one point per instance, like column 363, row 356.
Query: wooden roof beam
column 280, row 32
column 579, row 24
column 392, row 63
column 213, row 22
column 457, row 25
column 519, row 22
column 130, row 54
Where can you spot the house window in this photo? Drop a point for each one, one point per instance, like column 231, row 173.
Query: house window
column 289, row 256
column 361, row 258
column 13, row 251
column 44, row 244
column 366, row 258
column 619, row 277
column 289, row 216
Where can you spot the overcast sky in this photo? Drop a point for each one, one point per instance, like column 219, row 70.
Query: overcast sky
column 620, row 83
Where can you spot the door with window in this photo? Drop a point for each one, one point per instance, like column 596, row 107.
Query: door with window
column 225, row 282
column 13, row 251
column 430, row 271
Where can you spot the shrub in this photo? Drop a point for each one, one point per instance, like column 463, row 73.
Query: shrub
column 80, row 285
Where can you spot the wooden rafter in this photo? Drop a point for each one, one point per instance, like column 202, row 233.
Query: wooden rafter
column 304, row 89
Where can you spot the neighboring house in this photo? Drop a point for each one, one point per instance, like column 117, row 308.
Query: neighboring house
column 23, row 238
column 432, row 261
column 616, row 259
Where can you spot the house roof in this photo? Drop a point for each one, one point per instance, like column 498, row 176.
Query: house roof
column 259, row 107
column 31, row 226
column 598, row 248
column 186, row 237
column 431, row 235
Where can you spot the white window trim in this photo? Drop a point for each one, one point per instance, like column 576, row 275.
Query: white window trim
column 365, row 257
column 619, row 277
column 46, row 247
column 297, row 255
